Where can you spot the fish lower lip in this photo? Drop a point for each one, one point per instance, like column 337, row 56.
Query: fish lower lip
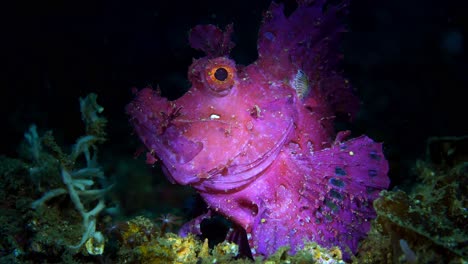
column 243, row 174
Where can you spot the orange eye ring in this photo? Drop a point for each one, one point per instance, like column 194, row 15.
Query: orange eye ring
column 220, row 75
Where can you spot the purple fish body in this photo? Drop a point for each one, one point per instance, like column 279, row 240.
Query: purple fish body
column 257, row 141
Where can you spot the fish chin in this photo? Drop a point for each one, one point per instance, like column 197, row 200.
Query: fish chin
column 238, row 175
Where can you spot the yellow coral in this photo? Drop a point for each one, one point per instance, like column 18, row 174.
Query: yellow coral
column 169, row 249
column 185, row 248
column 226, row 249
column 135, row 229
column 205, row 250
column 95, row 244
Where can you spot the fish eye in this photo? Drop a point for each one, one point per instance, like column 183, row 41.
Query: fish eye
column 221, row 74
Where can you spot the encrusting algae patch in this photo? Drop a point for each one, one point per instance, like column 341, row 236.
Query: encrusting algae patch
column 143, row 242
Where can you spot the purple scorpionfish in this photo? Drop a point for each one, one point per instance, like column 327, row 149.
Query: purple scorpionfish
column 257, row 142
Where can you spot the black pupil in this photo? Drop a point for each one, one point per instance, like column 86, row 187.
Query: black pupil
column 221, row 74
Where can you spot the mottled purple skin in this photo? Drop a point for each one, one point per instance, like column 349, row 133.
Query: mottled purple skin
column 257, row 152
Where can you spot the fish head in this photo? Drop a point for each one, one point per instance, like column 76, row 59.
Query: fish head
column 223, row 132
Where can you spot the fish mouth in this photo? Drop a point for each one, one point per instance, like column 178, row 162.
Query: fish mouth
column 231, row 176
column 241, row 175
